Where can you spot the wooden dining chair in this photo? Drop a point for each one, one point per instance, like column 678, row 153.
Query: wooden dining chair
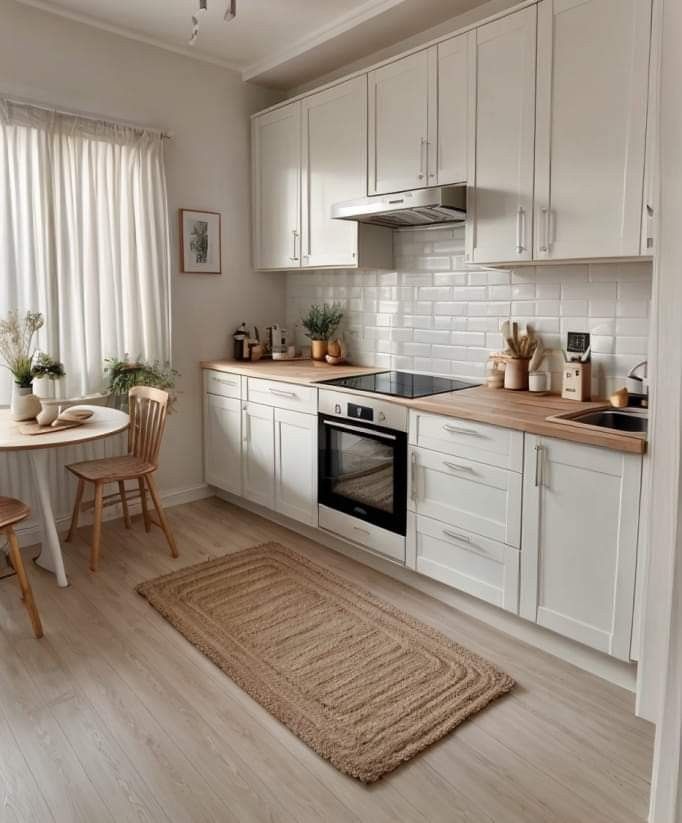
column 148, row 408
column 12, row 512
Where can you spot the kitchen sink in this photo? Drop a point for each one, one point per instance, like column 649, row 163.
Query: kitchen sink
column 624, row 420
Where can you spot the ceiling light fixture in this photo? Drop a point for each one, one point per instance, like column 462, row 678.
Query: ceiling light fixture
column 230, row 14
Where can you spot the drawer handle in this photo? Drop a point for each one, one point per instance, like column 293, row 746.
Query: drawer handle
column 457, row 536
column 448, row 427
column 458, row 467
column 225, row 382
column 362, row 531
column 281, row 393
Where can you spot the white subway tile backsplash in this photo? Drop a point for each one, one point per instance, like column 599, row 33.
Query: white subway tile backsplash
column 435, row 314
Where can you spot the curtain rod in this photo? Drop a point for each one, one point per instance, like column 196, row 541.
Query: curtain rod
column 19, row 101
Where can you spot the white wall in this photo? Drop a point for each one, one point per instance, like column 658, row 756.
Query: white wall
column 433, row 314
column 60, row 62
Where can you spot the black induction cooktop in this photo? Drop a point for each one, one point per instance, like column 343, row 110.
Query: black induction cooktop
column 400, row 384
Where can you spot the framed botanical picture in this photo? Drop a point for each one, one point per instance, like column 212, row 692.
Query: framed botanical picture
column 200, row 245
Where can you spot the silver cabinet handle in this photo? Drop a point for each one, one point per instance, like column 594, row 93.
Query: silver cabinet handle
column 225, row 382
column 432, row 174
column 247, row 426
column 545, row 231
column 413, row 485
column 457, row 536
column 295, row 235
column 280, row 393
column 458, row 467
column 448, row 427
column 539, row 461
column 362, row 531
column 520, row 230
column 422, row 146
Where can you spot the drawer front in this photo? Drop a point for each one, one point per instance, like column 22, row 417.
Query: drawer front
column 473, row 564
column 466, row 438
column 463, row 493
column 223, row 384
column 283, row 395
column 383, row 542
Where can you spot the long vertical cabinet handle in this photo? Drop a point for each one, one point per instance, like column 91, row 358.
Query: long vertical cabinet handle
column 294, row 233
column 545, row 230
column 423, row 145
column 413, row 478
column 539, row 463
column 246, row 428
column 520, row 230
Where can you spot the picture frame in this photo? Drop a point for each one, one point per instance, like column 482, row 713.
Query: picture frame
column 200, row 242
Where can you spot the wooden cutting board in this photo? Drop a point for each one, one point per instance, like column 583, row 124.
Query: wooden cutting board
column 33, row 427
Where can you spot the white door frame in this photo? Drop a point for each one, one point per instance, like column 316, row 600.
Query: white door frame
column 660, row 671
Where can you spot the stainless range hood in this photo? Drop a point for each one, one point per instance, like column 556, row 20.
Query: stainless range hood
column 421, row 207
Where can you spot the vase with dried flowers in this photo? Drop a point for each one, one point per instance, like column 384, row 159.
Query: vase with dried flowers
column 17, row 334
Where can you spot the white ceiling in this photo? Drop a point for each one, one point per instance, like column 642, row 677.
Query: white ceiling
column 279, row 42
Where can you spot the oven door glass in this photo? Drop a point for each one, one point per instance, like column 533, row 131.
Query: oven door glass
column 363, row 472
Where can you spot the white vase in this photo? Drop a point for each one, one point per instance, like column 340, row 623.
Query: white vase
column 25, row 405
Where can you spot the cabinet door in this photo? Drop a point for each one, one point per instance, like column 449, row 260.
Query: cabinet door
column 259, row 454
column 276, row 159
column 505, row 126
column 223, row 443
column 593, row 63
column 398, row 124
column 456, row 105
column 296, row 465
column 579, row 541
column 334, row 170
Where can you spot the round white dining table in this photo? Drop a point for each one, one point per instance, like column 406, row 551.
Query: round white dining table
column 104, row 422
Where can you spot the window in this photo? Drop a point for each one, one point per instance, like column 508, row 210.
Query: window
column 84, row 239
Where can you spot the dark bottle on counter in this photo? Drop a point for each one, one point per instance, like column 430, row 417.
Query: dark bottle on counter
column 241, row 343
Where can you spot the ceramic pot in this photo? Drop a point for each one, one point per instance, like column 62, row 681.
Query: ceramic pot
column 25, row 405
column 516, row 374
column 319, row 348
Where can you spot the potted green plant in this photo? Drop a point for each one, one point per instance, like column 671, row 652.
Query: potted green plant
column 46, row 371
column 124, row 373
column 320, row 324
column 17, row 352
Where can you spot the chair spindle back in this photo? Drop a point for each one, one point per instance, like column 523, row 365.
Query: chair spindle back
column 148, row 408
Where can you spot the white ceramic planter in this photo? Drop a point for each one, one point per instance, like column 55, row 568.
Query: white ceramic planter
column 25, row 405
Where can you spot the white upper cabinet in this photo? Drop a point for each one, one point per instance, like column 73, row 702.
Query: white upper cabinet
column 593, row 59
column 399, row 123
column 579, row 541
column 456, row 100
column 501, row 222
column 334, row 170
column 276, row 160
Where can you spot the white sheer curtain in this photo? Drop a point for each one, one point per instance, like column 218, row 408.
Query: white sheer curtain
column 84, row 238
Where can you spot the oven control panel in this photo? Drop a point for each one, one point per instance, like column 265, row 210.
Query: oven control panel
column 362, row 407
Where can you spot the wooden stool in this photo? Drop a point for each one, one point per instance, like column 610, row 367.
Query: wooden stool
column 148, row 409
column 12, row 512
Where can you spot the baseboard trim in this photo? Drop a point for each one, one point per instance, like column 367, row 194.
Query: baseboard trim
column 32, row 534
column 614, row 671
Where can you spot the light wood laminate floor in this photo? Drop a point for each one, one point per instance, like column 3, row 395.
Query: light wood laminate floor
column 113, row 716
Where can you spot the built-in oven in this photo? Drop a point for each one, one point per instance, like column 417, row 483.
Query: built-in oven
column 363, row 470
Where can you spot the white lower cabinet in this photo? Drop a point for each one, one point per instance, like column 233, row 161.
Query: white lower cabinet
column 296, row 465
column 258, row 455
column 473, row 564
column 579, row 542
column 223, row 442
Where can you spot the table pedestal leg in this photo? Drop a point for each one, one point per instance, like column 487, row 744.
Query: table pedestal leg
column 50, row 557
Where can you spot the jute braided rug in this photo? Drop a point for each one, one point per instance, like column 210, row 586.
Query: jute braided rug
column 362, row 683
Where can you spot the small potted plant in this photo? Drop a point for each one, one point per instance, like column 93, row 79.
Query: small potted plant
column 17, row 352
column 46, row 372
column 320, row 324
column 124, row 373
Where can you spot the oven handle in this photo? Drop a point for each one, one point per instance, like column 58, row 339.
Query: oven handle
column 359, row 430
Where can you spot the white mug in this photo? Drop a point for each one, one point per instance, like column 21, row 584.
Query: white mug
column 48, row 413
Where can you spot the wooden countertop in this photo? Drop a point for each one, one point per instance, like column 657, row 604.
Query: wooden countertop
column 288, row 371
column 522, row 411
